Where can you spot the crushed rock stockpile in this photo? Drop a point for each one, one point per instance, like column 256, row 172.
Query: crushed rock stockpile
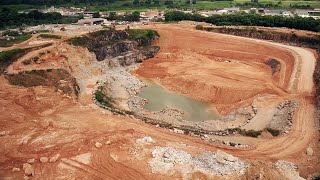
column 288, row 169
column 169, row 160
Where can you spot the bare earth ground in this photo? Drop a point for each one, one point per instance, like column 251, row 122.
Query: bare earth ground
column 225, row 70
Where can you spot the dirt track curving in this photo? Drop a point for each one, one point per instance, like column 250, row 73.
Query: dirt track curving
column 190, row 63
column 225, row 70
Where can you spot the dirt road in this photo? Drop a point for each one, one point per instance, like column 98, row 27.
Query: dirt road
column 187, row 63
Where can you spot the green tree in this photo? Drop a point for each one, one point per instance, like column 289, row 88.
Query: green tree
column 96, row 15
column 168, row 2
column 136, row 16
column 136, row 2
column 112, row 16
column 156, row 2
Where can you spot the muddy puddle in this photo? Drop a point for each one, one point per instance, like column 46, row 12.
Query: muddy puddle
column 158, row 98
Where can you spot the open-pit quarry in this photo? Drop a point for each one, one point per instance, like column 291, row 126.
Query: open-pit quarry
column 180, row 104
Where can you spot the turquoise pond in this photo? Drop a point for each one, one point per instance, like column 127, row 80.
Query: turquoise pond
column 158, row 98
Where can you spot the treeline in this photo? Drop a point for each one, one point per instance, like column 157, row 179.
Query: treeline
column 311, row 41
column 248, row 20
column 258, row 5
column 10, row 18
column 146, row 2
column 51, row 2
column 302, row 6
column 132, row 17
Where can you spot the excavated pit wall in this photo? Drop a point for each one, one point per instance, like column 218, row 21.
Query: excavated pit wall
column 126, row 93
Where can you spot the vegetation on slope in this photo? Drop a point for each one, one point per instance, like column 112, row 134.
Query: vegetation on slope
column 312, row 41
column 13, row 38
column 249, row 20
column 58, row 78
column 108, row 102
column 51, row 36
column 142, row 36
column 273, row 132
column 250, row 133
column 103, row 99
column 8, row 57
column 111, row 43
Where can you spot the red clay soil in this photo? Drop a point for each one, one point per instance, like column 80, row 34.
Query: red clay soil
column 41, row 123
column 216, row 68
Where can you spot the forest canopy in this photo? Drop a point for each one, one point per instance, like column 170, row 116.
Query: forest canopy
column 310, row 24
column 10, row 18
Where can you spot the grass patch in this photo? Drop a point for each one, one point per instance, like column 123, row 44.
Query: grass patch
column 6, row 56
column 273, row 132
column 199, row 27
column 78, row 41
column 48, row 77
column 16, row 39
column 250, row 133
column 108, row 102
column 136, row 34
column 51, row 36
column 103, row 99
column 142, row 36
column 32, row 60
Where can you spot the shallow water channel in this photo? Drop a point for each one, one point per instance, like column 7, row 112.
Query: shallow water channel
column 158, row 98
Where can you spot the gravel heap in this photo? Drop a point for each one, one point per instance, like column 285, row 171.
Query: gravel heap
column 169, row 159
column 219, row 163
column 288, row 169
column 282, row 119
column 145, row 140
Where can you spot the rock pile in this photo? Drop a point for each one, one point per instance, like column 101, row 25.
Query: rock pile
column 165, row 158
column 219, row 163
column 3, row 133
column 282, row 119
column 168, row 159
column 54, row 158
column 44, row 159
column 28, row 169
column 16, row 169
column 98, row 145
column 288, row 169
column 145, row 140
column 309, row 151
column 30, row 161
